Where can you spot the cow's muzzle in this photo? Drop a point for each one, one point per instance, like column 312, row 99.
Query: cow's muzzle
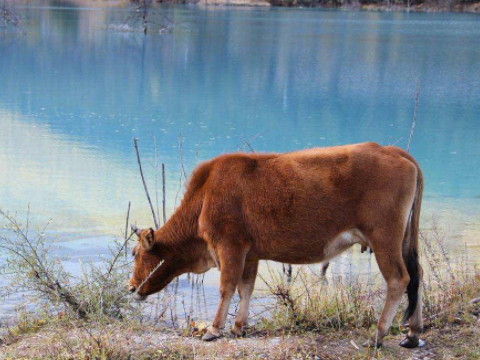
column 136, row 296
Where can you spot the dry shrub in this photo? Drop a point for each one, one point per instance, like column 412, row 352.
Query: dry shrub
column 449, row 286
column 30, row 268
column 310, row 303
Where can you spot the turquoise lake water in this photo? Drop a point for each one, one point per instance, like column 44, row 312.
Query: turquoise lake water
column 75, row 91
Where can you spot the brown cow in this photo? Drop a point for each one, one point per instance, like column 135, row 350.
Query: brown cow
column 301, row 207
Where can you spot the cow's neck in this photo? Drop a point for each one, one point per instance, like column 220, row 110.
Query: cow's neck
column 179, row 230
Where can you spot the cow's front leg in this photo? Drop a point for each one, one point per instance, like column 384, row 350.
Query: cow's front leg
column 245, row 290
column 232, row 261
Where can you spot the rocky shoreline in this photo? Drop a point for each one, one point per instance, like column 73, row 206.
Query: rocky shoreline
column 453, row 6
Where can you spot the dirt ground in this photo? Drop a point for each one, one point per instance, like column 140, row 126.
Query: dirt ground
column 456, row 342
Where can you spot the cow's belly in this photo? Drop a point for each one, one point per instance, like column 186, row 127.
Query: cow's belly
column 310, row 251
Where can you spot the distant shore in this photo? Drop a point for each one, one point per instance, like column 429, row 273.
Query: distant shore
column 382, row 6
column 386, row 6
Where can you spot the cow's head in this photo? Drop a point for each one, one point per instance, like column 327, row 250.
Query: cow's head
column 156, row 264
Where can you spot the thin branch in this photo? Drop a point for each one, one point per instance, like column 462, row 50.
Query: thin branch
column 117, row 254
column 155, row 166
column 135, row 144
column 287, row 270
column 149, row 276
column 180, row 152
column 414, row 119
column 164, row 210
column 246, row 143
column 126, row 228
column 183, row 173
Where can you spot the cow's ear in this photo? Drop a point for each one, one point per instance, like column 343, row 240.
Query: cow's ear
column 148, row 240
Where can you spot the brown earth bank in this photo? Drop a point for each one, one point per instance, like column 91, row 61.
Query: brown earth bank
column 126, row 342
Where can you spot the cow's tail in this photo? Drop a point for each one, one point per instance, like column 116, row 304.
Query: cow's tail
column 410, row 249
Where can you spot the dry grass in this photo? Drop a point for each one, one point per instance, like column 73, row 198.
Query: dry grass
column 310, row 319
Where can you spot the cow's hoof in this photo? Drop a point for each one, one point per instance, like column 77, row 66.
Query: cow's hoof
column 211, row 335
column 237, row 332
column 412, row 342
column 372, row 344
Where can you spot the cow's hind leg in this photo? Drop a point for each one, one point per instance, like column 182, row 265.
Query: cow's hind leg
column 325, row 268
column 392, row 266
column 415, row 322
column 245, row 290
column 232, row 261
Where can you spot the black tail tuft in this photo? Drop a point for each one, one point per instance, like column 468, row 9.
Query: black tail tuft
column 413, row 268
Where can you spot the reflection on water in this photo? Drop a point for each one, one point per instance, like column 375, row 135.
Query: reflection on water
column 73, row 95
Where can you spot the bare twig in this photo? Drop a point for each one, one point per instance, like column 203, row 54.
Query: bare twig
column 117, row 254
column 183, row 173
column 126, row 228
column 164, row 210
column 149, row 276
column 283, row 294
column 287, row 270
column 155, row 166
column 135, row 144
column 180, row 152
column 414, row 119
column 246, row 143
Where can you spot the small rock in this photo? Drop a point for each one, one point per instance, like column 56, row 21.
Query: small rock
column 275, row 341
